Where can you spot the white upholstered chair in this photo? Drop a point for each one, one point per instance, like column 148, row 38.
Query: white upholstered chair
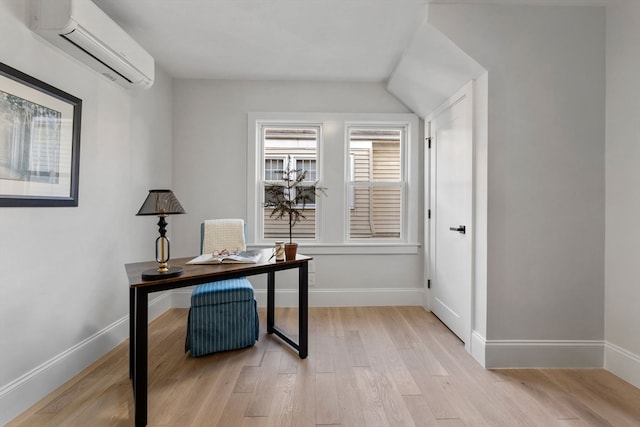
column 223, row 314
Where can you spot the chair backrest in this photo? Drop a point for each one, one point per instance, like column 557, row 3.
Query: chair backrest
column 220, row 234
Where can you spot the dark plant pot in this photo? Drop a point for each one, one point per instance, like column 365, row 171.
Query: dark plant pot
column 290, row 250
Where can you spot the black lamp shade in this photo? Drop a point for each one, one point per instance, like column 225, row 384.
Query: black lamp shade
column 161, row 202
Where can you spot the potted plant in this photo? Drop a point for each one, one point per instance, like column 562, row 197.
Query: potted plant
column 288, row 199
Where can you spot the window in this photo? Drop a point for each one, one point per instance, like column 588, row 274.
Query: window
column 289, row 149
column 375, row 182
column 369, row 165
column 271, row 168
column 273, row 176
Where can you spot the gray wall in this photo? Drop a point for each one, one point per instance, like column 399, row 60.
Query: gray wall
column 210, row 176
column 546, row 70
column 63, row 291
column 622, row 269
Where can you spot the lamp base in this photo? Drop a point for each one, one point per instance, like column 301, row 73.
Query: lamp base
column 154, row 274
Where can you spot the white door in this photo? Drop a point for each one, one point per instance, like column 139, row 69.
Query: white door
column 451, row 201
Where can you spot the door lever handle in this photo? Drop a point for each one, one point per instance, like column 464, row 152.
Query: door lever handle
column 461, row 229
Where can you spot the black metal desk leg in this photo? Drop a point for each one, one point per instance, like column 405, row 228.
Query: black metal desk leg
column 140, row 370
column 303, row 309
column 271, row 300
column 132, row 329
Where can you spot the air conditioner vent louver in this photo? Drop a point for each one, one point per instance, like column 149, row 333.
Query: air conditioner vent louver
column 107, row 75
column 81, row 29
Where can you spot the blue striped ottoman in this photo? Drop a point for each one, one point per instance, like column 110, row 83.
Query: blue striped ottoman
column 223, row 316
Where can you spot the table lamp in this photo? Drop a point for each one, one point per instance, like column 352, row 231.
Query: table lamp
column 161, row 203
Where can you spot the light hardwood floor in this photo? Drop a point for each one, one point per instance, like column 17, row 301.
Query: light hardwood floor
column 374, row 366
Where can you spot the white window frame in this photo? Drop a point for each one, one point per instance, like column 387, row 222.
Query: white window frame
column 332, row 166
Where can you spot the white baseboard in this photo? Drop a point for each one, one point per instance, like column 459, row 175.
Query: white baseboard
column 558, row 354
column 353, row 297
column 181, row 298
column 29, row 388
column 478, row 348
column 622, row 363
column 544, row 353
column 326, row 297
column 536, row 353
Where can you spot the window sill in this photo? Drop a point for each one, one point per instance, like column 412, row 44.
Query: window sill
column 355, row 248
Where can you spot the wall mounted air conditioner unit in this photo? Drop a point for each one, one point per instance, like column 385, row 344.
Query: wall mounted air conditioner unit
column 84, row 31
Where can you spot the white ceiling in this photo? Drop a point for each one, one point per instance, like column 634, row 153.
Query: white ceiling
column 328, row 40
column 333, row 40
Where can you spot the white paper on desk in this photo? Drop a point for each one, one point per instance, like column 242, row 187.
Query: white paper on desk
column 245, row 257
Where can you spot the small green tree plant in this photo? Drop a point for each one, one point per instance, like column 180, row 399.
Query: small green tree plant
column 288, row 198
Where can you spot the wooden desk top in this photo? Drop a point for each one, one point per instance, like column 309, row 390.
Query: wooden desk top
column 201, row 273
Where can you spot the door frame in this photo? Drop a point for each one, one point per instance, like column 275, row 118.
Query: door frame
column 429, row 222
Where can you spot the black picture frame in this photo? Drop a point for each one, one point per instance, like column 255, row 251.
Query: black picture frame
column 39, row 142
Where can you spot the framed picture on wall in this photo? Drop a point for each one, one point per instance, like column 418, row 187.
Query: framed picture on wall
column 39, row 142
